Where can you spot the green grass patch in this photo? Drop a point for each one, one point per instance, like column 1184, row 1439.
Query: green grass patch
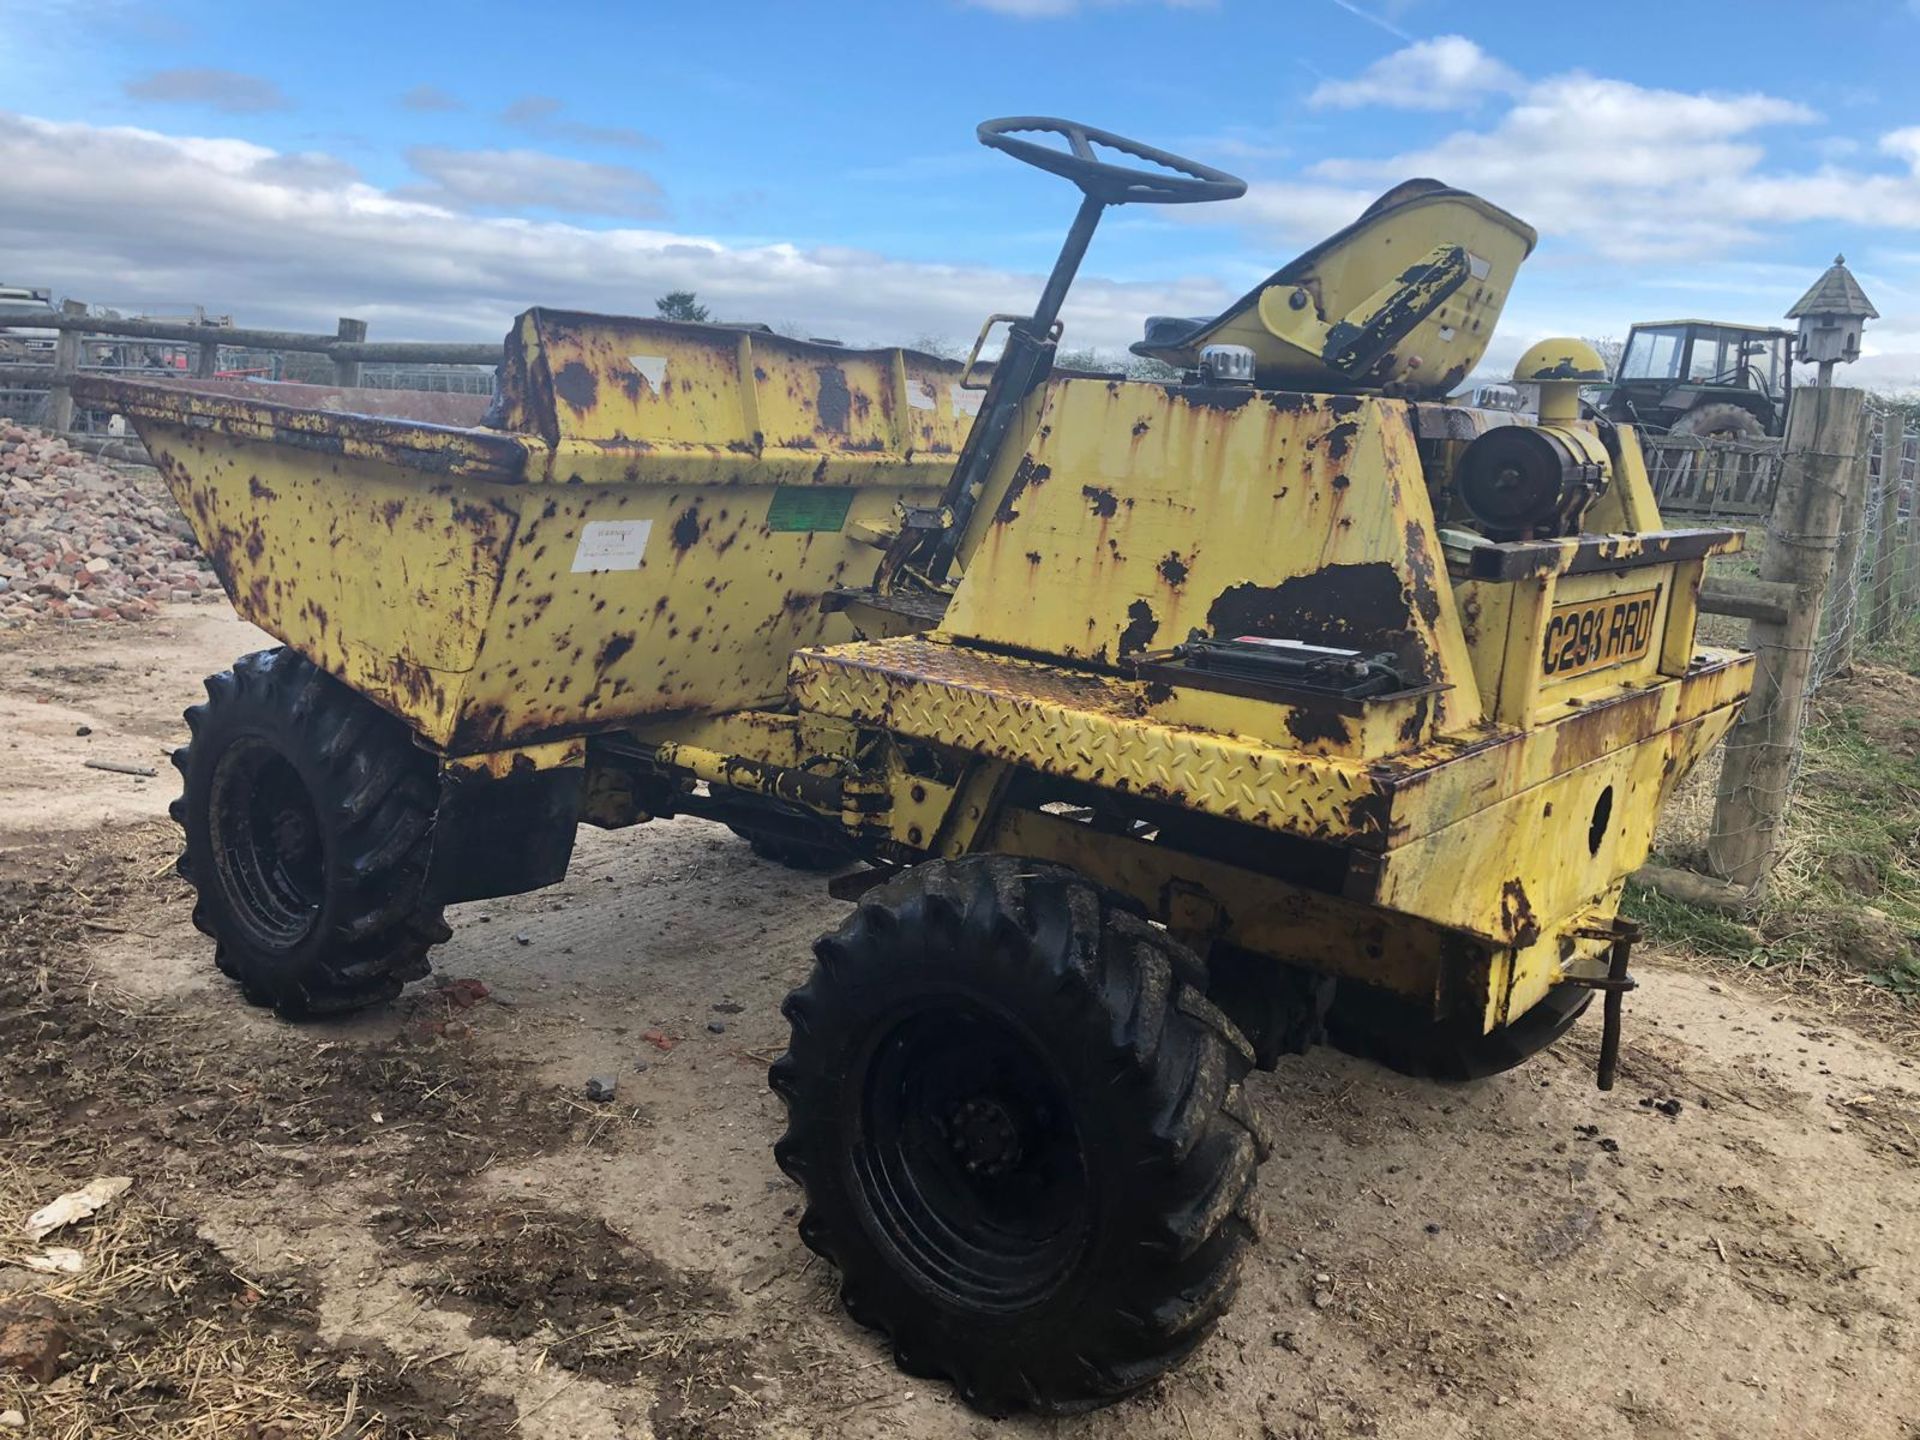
column 1671, row 924
column 1899, row 651
column 1844, row 896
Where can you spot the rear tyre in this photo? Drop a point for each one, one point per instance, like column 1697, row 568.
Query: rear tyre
column 1022, row 1136
column 1724, row 421
column 308, row 816
column 1373, row 1025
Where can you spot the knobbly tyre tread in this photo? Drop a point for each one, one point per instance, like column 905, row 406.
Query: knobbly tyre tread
column 1427, row 1050
column 1722, row 417
column 374, row 793
column 1162, row 1263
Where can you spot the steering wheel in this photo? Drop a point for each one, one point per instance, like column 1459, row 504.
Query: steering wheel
column 1178, row 181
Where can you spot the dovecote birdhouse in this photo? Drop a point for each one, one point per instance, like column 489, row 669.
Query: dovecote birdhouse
column 1832, row 314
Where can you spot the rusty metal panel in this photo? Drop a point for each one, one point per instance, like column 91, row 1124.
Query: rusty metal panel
column 1514, row 870
column 621, row 603
column 1444, row 832
column 1378, row 276
column 678, row 403
column 1262, row 912
column 1084, row 727
column 1142, row 512
column 421, row 450
column 1459, row 776
column 497, row 591
column 380, row 577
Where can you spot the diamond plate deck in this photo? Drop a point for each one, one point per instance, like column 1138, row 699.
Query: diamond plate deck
column 1083, row 726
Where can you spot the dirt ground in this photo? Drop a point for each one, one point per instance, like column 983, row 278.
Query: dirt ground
column 416, row 1223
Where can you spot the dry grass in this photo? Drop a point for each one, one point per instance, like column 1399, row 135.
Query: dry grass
column 163, row 1337
column 166, row 1335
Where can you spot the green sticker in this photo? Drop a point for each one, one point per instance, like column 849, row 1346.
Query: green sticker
column 809, row 507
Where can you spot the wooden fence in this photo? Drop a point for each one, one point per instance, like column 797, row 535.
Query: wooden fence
column 347, row 350
column 1840, row 566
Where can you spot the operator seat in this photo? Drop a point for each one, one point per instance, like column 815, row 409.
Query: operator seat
column 1403, row 301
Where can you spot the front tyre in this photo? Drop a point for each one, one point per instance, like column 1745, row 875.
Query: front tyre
column 1022, row 1137
column 308, row 816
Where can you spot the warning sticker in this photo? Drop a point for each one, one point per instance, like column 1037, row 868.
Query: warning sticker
column 809, row 507
column 611, row 545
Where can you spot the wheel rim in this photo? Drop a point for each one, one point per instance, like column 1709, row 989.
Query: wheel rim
column 266, row 843
column 968, row 1162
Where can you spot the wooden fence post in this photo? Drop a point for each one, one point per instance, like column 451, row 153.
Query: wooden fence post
column 346, row 373
column 66, row 360
column 1893, row 434
column 1840, row 614
column 1825, row 446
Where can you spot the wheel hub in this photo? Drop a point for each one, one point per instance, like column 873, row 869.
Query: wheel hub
column 968, row 1163
column 984, row 1136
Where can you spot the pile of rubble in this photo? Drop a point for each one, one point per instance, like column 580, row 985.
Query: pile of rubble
column 81, row 539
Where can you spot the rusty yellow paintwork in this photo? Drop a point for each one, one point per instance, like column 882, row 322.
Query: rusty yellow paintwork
column 1430, row 830
column 1500, row 799
column 1140, row 512
column 1427, row 266
column 634, row 544
column 659, row 565
column 614, row 398
column 1078, row 726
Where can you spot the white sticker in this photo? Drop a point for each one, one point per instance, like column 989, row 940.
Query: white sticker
column 1477, row 267
column 652, row 368
column 921, row 396
column 611, row 545
column 966, row 402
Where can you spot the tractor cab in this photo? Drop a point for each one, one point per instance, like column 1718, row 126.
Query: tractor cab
column 1705, row 378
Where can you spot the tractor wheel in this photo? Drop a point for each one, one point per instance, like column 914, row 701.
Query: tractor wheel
column 1724, row 421
column 1022, row 1137
column 1373, row 1025
column 308, row 815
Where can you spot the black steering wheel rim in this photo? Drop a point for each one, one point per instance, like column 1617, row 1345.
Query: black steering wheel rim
column 1178, row 181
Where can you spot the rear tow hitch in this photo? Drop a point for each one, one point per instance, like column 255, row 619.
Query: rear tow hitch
column 1615, row 983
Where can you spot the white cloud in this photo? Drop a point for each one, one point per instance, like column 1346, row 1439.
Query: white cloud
column 1904, row 144
column 124, row 216
column 518, row 180
column 1629, row 172
column 1449, row 72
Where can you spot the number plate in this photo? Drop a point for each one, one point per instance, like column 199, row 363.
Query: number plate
column 1594, row 634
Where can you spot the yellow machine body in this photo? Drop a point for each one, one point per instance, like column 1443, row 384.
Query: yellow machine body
column 655, row 572
column 650, row 532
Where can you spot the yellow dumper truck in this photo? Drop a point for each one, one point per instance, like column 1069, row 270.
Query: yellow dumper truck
column 1158, row 728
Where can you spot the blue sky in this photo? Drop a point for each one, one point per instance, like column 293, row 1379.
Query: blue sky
column 436, row 168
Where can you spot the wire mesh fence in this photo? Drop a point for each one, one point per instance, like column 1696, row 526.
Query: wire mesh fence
column 1870, row 613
